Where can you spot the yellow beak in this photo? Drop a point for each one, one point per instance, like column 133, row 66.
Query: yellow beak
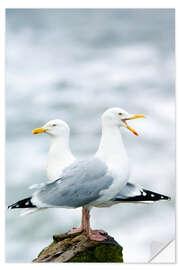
column 136, row 116
column 130, row 118
column 39, row 130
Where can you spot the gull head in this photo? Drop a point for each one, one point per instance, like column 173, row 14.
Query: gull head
column 119, row 117
column 54, row 128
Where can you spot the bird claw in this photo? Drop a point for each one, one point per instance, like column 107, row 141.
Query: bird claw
column 98, row 235
column 75, row 230
column 99, row 231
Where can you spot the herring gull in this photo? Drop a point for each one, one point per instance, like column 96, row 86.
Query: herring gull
column 60, row 155
column 96, row 182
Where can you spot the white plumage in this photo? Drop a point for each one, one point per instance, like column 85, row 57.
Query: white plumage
column 100, row 181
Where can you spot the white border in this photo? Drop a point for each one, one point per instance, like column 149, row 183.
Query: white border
column 2, row 135
column 89, row 4
column 65, row 4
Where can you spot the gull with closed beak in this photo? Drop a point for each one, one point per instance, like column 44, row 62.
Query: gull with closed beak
column 100, row 181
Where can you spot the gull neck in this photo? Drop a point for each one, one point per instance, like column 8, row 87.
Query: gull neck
column 59, row 157
column 111, row 143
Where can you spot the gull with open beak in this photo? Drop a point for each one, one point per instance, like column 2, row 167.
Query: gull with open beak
column 100, row 181
column 130, row 117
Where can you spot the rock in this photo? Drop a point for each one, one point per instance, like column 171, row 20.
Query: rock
column 79, row 248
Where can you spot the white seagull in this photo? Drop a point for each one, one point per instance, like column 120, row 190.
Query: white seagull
column 60, row 155
column 100, row 181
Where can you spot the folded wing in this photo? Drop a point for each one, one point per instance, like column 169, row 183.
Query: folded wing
column 79, row 185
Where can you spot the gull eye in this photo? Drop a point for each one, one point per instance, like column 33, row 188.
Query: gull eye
column 54, row 125
column 120, row 113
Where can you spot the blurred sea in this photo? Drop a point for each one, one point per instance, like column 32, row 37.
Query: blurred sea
column 73, row 64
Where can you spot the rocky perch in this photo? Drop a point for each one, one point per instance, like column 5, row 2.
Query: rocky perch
column 79, row 248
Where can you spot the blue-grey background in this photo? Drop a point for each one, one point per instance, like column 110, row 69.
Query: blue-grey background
column 73, row 64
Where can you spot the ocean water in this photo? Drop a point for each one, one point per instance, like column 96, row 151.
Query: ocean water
column 74, row 64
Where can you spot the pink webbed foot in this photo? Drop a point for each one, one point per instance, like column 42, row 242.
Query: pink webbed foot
column 75, row 230
column 98, row 235
column 99, row 231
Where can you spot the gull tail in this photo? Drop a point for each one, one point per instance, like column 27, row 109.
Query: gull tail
column 25, row 203
column 134, row 193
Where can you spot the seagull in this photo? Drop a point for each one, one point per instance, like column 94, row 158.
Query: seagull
column 100, row 181
column 60, row 155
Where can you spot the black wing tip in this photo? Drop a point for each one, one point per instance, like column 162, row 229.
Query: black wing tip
column 153, row 196
column 146, row 196
column 25, row 203
column 12, row 206
column 167, row 198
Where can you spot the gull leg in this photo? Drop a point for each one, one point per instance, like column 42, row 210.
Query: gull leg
column 77, row 230
column 96, row 235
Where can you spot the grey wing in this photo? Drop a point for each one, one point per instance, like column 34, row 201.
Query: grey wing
column 80, row 184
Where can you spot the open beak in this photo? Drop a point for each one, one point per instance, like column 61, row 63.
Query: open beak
column 39, row 130
column 130, row 118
